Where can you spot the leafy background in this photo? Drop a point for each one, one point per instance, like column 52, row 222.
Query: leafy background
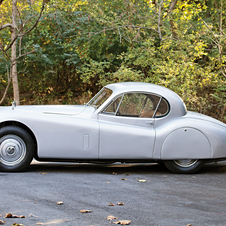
column 83, row 45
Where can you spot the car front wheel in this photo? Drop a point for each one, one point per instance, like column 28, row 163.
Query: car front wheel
column 16, row 148
column 184, row 165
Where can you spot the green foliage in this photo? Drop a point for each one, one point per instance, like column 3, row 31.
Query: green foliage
column 84, row 45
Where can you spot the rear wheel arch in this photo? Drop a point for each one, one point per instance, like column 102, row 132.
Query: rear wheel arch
column 186, row 143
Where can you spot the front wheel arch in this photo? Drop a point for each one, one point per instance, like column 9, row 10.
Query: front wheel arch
column 17, row 148
column 184, row 166
column 25, row 127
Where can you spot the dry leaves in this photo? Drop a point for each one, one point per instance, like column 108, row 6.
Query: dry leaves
column 122, row 222
column 120, row 203
column 114, row 173
column 111, row 204
column 110, row 217
column 85, row 211
column 123, row 179
column 9, row 215
column 15, row 224
column 60, row 203
column 2, row 222
column 39, row 223
column 42, row 173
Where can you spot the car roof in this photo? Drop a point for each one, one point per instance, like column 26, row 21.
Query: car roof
column 176, row 103
column 138, row 86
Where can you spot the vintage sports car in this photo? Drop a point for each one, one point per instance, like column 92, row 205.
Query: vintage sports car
column 125, row 122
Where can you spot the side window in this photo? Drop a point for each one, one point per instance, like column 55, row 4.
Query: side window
column 142, row 105
column 163, row 108
column 149, row 107
column 132, row 104
column 113, row 107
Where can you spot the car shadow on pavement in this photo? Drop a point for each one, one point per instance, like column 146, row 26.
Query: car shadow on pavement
column 117, row 168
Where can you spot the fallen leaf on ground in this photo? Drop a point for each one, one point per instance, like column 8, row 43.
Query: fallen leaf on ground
column 85, row 211
column 120, row 203
column 110, row 217
column 111, row 204
column 60, row 203
column 142, row 180
column 127, row 174
column 16, row 224
column 114, row 173
column 42, row 173
column 8, row 215
column 108, row 182
column 122, row 222
column 39, row 223
column 123, row 179
column 2, row 222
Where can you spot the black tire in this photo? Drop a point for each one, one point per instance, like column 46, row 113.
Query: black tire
column 16, row 149
column 184, row 166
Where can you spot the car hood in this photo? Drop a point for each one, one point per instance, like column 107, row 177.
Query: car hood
column 56, row 109
column 191, row 114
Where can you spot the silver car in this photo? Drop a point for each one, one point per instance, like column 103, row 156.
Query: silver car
column 125, row 122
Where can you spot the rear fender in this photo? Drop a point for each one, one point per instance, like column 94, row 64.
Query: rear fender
column 186, row 143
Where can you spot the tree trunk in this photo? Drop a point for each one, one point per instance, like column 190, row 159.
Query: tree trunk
column 13, row 55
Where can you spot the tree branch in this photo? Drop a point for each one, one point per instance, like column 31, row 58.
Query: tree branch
column 7, row 87
column 20, row 35
column 36, row 22
column 6, row 25
column 172, row 6
column 159, row 20
column 23, row 55
column 124, row 26
column 223, row 112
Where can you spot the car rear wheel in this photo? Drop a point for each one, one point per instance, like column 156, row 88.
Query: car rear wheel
column 16, row 148
column 184, row 165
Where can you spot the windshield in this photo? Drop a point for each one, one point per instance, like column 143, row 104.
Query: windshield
column 100, row 98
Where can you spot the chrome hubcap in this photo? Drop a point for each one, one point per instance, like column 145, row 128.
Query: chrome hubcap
column 185, row 162
column 12, row 150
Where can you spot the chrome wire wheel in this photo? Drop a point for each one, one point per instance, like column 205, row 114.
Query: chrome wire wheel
column 186, row 162
column 12, row 150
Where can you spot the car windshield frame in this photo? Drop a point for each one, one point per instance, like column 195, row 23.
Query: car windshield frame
column 100, row 98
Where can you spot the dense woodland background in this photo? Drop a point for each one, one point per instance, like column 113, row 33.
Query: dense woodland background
column 77, row 47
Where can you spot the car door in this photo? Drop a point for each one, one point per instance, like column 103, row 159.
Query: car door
column 127, row 127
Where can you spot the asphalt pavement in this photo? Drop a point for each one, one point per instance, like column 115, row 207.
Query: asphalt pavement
column 145, row 194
